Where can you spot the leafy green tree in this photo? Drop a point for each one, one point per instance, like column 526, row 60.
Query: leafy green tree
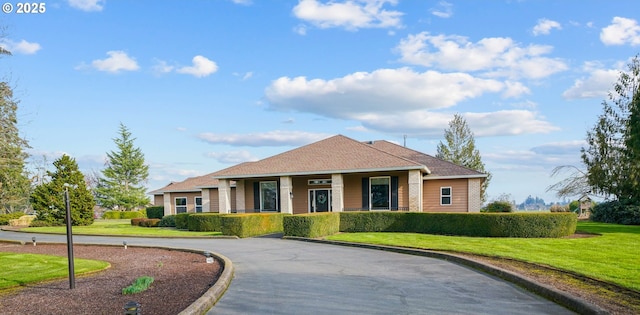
column 613, row 150
column 121, row 186
column 460, row 148
column 575, row 184
column 48, row 198
column 14, row 182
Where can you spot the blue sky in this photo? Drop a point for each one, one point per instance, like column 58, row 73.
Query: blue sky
column 206, row 84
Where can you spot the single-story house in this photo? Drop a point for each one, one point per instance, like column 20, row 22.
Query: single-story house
column 334, row 174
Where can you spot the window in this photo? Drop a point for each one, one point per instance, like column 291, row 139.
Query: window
column 269, row 196
column 198, row 202
column 445, row 196
column 181, row 205
column 312, row 182
column 380, row 193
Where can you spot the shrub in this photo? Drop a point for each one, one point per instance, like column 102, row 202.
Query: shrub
column 115, row 215
column 311, row 225
column 616, row 212
column 204, row 222
column 137, row 221
column 150, row 222
column 4, row 218
column 248, row 225
column 40, row 223
column 168, row 221
column 499, row 206
column 371, row 221
column 155, row 212
column 138, row 285
column 559, row 208
column 181, row 221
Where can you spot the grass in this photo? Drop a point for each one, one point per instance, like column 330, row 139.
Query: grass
column 138, row 285
column 613, row 257
column 119, row 227
column 21, row 269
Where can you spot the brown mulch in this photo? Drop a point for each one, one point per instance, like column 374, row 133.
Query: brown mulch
column 180, row 278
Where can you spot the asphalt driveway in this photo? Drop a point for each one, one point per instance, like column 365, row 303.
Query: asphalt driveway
column 275, row 276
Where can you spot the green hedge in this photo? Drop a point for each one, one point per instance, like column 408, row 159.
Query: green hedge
column 114, row 215
column 248, row 225
column 616, row 212
column 463, row 224
column 155, row 212
column 182, row 222
column 204, row 222
column 4, row 218
column 168, row 221
column 311, row 225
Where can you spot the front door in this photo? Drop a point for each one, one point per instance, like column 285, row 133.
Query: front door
column 319, row 200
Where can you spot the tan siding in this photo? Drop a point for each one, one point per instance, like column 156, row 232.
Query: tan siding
column 353, row 188
column 214, row 200
column 158, row 200
column 248, row 194
column 459, row 190
column 191, row 207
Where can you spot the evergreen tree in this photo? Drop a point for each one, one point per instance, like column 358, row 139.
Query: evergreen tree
column 14, row 183
column 613, row 148
column 121, row 186
column 48, row 198
column 460, row 148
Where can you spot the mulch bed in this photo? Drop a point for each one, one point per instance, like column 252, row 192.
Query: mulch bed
column 180, row 278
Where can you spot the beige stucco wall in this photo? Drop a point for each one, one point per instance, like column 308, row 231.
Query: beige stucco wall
column 459, row 190
column 190, row 200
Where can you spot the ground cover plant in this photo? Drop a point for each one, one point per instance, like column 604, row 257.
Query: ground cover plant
column 119, row 227
column 20, row 269
column 611, row 257
column 138, row 285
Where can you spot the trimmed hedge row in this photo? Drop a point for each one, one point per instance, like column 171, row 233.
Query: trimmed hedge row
column 181, row 221
column 4, row 218
column 114, row 215
column 463, row 224
column 204, row 222
column 155, row 212
column 311, row 225
column 144, row 222
column 248, row 225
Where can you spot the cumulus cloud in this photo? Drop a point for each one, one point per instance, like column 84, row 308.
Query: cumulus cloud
column 21, row 47
column 350, row 14
column 161, row 67
column 232, row 157
column 621, row 31
column 117, row 61
column 443, row 10
column 560, row 148
column 270, row 138
column 545, row 26
column 596, row 85
column 493, row 56
column 201, row 67
column 87, row 5
column 383, row 90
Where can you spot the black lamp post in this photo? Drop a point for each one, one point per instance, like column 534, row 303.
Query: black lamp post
column 132, row 308
column 33, row 240
column 72, row 276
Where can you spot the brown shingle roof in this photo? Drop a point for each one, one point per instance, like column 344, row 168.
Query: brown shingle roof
column 438, row 167
column 189, row 184
column 337, row 153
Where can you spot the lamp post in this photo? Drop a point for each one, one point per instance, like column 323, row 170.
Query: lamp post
column 72, row 276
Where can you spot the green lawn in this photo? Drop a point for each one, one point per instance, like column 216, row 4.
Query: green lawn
column 612, row 257
column 20, row 269
column 119, row 227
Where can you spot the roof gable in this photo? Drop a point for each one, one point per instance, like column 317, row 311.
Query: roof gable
column 189, row 184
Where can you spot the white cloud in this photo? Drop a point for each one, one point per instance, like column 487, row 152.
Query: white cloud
column 443, row 10
column 596, row 85
column 621, row 31
column 87, row 5
column 300, row 30
column 161, row 67
column 270, row 138
column 232, row 157
column 21, row 47
column 201, row 67
column 244, row 76
column 243, row 2
column 560, row 148
column 350, row 14
column 545, row 26
column 493, row 56
column 384, row 90
column 117, row 61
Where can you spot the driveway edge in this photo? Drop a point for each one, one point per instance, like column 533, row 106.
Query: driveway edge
column 571, row 302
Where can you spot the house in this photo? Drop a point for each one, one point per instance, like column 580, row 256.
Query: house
column 334, row 174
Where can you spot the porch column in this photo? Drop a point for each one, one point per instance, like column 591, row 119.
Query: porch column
column 286, row 191
column 206, row 200
column 166, row 198
column 337, row 193
column 224, row 196
column 415, row 190
column 474, row 195
column 240, row 202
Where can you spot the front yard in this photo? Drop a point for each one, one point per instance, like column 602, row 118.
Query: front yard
column 120, row 227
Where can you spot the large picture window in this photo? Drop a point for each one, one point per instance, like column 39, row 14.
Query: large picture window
column 380, row 188
column 181, row 205
column 198, row 201
column 445, row 196
column 269, row 196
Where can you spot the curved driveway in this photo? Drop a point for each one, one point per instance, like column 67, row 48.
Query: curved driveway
column 276, row 276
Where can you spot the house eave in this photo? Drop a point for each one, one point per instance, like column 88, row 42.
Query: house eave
column 423, row 169
column 429, row 177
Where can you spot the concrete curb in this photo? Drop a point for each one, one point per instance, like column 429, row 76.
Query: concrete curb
column 202, row 304
column 5, row 228
column 573, row 303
